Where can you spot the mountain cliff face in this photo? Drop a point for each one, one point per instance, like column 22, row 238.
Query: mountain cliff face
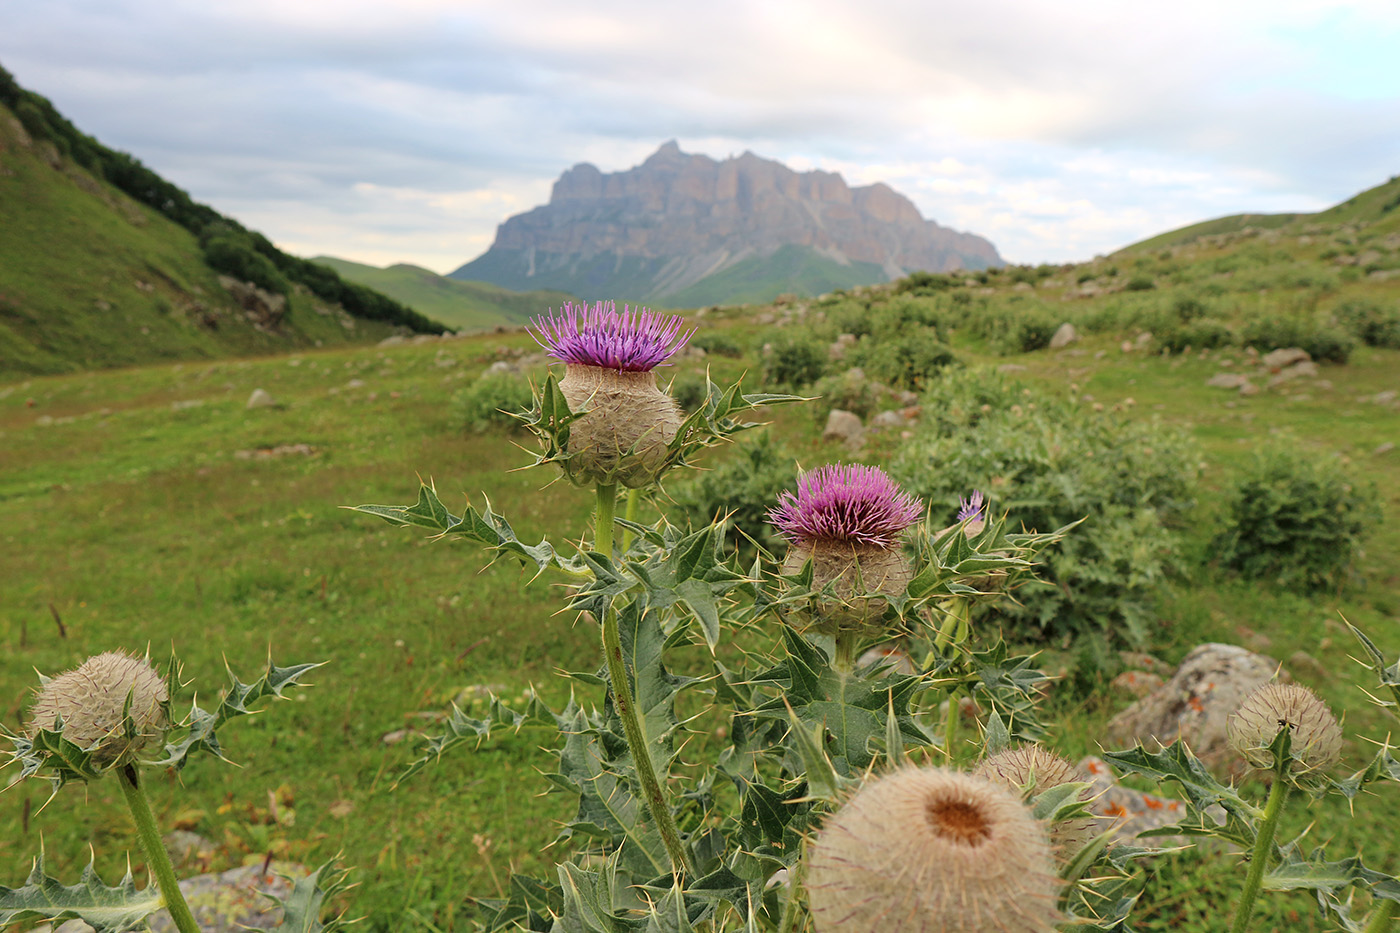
column 685, row 229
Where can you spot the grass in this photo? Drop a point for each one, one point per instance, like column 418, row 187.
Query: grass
column 460, row 305
column 145, row 506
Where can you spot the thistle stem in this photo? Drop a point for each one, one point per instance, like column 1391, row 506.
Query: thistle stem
column 1259, row 858
column 950, row 729
column 845, row 651
column 626, row 707
column 953, row 611
column 157, row 859
column 1383, row 915
column 603, row 521
column 637, row 742
column 633, row 495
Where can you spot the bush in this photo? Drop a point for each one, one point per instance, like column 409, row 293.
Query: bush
column 905, row 363
column 747, row 485
column 1206, row 333
column 1295, row 520
column 1370, row 323
column 848, row 391
column 794, row 360
column 1050, row 463
column 1015, row 330
column 482, row 405
column 1324, row 343
column 1140, row 283
column 235, row 256
column 717, row 345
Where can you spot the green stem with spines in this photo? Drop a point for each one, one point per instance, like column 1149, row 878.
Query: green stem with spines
column 1263, row 846
column 633, row 495
column 845, row 659
column 626, row 706
column 1381, row 919
column 157, row 858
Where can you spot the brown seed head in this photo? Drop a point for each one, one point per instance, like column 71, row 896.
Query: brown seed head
column 927, row 850
column 862, row 575
column 89, row 701
column 628, row 425
column 1316, row 741
column 1032, row 765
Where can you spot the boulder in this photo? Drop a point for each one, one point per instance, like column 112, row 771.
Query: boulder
column 261, row 398
column 1278, row 359
column 1064, row 336
column 844, row 426
column 1194, row 704
column 1298, row 370
column 1227, row 380
column 888, row 419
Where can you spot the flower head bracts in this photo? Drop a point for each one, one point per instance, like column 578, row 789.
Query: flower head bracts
column 845, row 503
column 630, row 341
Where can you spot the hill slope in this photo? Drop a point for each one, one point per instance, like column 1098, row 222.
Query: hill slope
column 685, row 229
column 460, row 305
column 104, row 263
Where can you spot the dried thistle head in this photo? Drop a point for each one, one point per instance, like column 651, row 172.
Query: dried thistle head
column 1041, row 769
column 1316, row 738
column 928, row 850
column 629, row 421
column 847, row 520
column 89, row 705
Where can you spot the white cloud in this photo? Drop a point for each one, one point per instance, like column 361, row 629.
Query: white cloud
column 409, row 130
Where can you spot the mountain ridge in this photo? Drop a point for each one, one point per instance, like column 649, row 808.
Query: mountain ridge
column 667, row 225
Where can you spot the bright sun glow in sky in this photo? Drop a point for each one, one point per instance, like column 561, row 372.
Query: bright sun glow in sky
column 405, row 132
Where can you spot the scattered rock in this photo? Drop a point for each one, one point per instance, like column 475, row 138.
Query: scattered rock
column 888, row 419
column 185, row 846
column 1143, row 339
column 1278, row 359
column 1132, row 811
column 1383, row 398
column 1210, row 685
column 261, row 398
column 502, row 366
column 1249, row 388
column 271, row 453
column 1297, row 370
column 844, row 426
column 1227, row 381
column 1136, row 683
column 1064, row 336
column 1011, row 368
column 1383, row 449
column 392, row 340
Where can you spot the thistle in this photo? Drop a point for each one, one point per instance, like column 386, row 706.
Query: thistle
column 610, row 358
column 926, row 849
column 1316, row 740
column 112, row 706
column 1037, row 770
column 847, row 520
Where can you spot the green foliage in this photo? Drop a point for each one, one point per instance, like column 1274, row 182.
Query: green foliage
column 1197, row 333
column 1371, row 323
column 848, row 391
column 1052, row 463
column 717, row 344
column 1295, row 520
column 688, row 390
column 907, row 362
column 234, row 255
column 794, row 360
column 1140, row 283
column 108, row 909
column 488, row 402
column 745, row 487
column 1273, row 332
column 1018, row 329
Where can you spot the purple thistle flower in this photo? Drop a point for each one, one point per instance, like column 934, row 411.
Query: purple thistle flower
column 971, row 506
column 631, row 341
column 845, row 503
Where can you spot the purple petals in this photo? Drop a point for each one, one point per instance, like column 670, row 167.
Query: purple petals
column 629, row 341
column 971, row 506
column 846, row 503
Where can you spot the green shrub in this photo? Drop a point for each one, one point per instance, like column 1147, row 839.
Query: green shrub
column 1324, row 343
column 1295, row 520
column 1140, row 283
column 905, row 363
column 1206, row 333
column 1049, row 463
column 794, row 360
column 482, row 405
column 849, row 391
column 717, row 344
column 1187, row 308
column 235, row 256
column 1012, row 330
column 1370, row 323
column 746, row 485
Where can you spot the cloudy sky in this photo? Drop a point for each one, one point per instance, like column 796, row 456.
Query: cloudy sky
column 406, row 131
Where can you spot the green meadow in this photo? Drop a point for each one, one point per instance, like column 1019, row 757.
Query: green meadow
column 150, row 508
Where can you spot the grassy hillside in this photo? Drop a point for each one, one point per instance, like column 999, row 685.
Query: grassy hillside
column 458, row 304
column 104, row 263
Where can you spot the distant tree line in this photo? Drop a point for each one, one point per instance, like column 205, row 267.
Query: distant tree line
column 228, row 246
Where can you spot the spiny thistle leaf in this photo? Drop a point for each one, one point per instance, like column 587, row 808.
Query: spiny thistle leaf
column 1177, row 763
column 106, row 909
column 1388, row 676
column 461, row 729
column 302, row 908
column 200, row 727
column 530, row 905
column 589, row 901
column 1313, row 872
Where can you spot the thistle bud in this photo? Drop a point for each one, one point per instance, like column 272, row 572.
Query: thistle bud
column 847, row 520
column 1316, row 739
column 1041, row 769
column 629, row 421
column 928, row 850
column 89, row 705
